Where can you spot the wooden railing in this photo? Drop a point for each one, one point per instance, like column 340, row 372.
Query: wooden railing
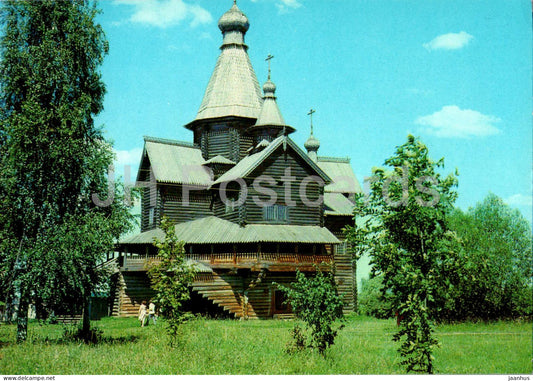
column 260, row 257
column 140, row 262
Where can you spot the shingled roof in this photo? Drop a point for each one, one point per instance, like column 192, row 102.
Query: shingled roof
column 249, row 163
column 335, row 204
column 341, row 173
column 233, row 89
column 212, row 230
column 173, row 161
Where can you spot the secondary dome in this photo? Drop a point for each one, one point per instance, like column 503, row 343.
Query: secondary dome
column 233, row 19
column 269, row 87
column 312, row 144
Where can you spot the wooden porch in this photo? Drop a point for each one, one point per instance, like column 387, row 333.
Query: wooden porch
column 257, row 257
column 254, row 261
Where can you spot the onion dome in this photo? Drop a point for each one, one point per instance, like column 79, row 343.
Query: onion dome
column 269, row 88
column 312, row 144
column 233, row 20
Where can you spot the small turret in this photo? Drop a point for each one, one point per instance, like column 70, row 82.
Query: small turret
column 270, row 122
column 312, row 144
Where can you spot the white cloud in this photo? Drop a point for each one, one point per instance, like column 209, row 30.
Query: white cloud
column 519, row 199
column 291, row 3
column 128, row 158
column 166, row 13
column 200, row 15
column 283, row 6
column 449, row 41
column 453, row 122
column 286, row 5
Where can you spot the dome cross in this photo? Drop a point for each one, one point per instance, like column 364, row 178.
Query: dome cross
column 310, row 113
column 268, row 59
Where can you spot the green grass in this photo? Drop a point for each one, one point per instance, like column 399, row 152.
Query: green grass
column 364, row 346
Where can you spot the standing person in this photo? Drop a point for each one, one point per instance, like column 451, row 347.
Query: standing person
column 142, row 313
column 151, row 312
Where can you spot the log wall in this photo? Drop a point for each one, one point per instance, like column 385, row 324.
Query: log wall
column 345, row 267
column 274, row 167
column 345, row 277
column 247, row 295
column 178, row 211
column 148, row 196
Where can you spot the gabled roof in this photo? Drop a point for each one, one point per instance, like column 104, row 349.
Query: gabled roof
column 250, row 163
column 212, row 230
column 337, row 205
column 175, row 162
column 341, row 173
column 262, row 144
column 219, row 159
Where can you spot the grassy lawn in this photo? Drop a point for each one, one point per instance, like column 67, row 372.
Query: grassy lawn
column 364, row 346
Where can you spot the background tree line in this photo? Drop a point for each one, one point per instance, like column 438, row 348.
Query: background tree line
column 493, row 273
column 432, row 262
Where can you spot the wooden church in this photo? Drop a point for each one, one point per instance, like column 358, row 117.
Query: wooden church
column 251, row 206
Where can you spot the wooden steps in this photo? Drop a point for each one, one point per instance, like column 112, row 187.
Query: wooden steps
column 228, row 289
column 220, row 291
column 283, row 316
column 68, row 319
column 131, row 289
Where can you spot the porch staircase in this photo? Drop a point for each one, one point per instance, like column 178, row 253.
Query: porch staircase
column 130, row 290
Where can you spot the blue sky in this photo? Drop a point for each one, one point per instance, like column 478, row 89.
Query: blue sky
column 455, row 73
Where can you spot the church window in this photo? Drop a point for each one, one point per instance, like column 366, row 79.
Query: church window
column 230, row 206
column 275, row 213
column 151, row 216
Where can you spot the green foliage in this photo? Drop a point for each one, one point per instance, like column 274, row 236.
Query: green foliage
column 372, row 301
column 402, row 225
column 315, row 301
column 171, row 278
column 52, row 157
column 496, row 261
column 217, row 347
column 297, row 342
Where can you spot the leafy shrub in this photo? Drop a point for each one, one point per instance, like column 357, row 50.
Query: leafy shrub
column 297, row 342
column 371, row 301
column 171, row 278
column 315, row 301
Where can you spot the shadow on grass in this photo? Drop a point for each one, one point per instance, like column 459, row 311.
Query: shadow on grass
column 104, row 340
column 63, row 340
column 119, row 340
